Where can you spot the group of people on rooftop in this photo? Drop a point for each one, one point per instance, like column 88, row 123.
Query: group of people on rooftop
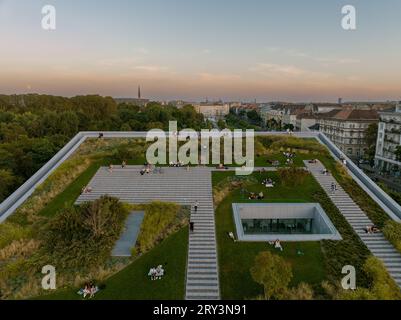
column 277, row 244
column 274, row 163
column 254, row 196
column 156, row 273
column 289, row 157
column 88, row 290
column 372, row 229
column 177, row 164
column 268, row 183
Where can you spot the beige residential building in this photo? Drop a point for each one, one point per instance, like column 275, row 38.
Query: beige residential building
column 346, row 128
column 213, row 110
column 388, row 140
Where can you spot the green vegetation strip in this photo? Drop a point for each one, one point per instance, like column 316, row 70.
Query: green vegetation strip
column 237, row 258
column 132, row 283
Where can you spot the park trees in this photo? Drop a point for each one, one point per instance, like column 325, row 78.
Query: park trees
column 370, row 140
column 7, row 182
column 273, row 272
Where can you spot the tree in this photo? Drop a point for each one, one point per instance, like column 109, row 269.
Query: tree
column 370, row 140
column 254, row 117
column 7, row 182
column 273, row 272
column 383, row 286
column 221, row 124
column 398, row 153
column 288, row 126
column 68, row 123
column 302, row 292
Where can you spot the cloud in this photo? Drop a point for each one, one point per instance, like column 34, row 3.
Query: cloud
column 338, row 60
column 118, row 62
column 278, row 69
column 324, row 60
column 273, row 49
column 219, row 78
column 141, row 50
column 282, row 73
column 152, row 68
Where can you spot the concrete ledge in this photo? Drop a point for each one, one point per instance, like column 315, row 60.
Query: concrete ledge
column 128, row 238
column 324, row 228
column 11, row 204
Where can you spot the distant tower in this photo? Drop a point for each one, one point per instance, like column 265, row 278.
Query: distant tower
column 139, row 92
column 398, row 107
column 340, row 100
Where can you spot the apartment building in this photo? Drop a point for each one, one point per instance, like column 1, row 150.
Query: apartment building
column 216, row 111
column 346, row 128
column 389, row 141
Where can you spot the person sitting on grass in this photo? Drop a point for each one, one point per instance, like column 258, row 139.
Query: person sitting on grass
column 159, row 272
column 269, row 183
column 93, row 290
column 87, row 189
column 252, row 196
column 372, row 229
column 231, row 236
column 277, row 245
column 86, row 290
column 261, row 196
column 152, row 274
column 89, row 290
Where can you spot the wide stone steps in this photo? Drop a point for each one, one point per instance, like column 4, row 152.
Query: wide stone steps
column 173, row 185
column 376, row 243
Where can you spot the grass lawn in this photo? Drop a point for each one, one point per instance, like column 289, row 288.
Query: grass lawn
column 71, row 193
column 236, row 259
column 261, row 160
column 132, row 283
column 73, row 190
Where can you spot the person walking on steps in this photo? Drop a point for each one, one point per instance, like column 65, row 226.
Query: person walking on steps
column 333, row 187
column 196, row 205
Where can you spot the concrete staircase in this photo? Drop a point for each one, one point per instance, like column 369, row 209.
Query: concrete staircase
column 185, row 188
column 376, row 243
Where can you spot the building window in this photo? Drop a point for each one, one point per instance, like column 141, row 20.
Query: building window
column 349, row 150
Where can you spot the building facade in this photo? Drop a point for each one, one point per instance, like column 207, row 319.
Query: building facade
column 346, row 128
column 216, row 111
column 389, row 141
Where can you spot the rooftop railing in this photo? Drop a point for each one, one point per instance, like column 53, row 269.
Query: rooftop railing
column 11, row 204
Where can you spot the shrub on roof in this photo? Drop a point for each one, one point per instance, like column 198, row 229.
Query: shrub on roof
column 392, row 231
column 161, row 219
column 83, row 236
column 292, row 176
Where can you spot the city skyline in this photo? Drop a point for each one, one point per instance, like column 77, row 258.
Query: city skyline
column 190, row 50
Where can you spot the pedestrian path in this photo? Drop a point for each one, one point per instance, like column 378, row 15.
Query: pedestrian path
column 129, row 236
column 181, row 186
column 379, row 246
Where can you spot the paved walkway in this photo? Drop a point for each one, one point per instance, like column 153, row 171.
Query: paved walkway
column 185, row 188
column 128, row 239
column 379, row 246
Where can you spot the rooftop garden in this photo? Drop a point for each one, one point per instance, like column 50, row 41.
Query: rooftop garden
column 25, row 244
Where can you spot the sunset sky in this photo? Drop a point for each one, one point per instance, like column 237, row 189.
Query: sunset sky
column 192, row 49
